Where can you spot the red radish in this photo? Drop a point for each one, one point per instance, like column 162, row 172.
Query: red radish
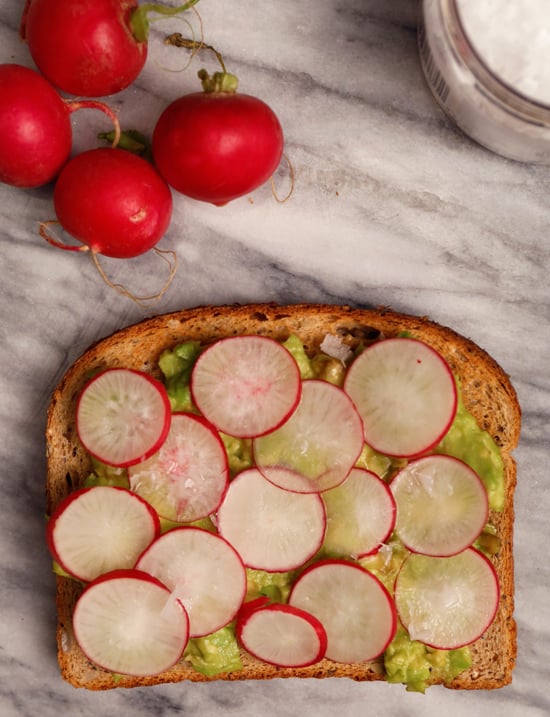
column 35, row 127
column 203, row 571
column 113, row 202
column 246, row 385
column 96, row 530
column 442, row 505
column 315, row 449
column 353, row 606
column 282, row 635
column 217, row 145
column 123, row 416
column 271, row 529
column 406, row 395
column 447, row 603
column 360, row 515
column 90, row 48
column 126, row 622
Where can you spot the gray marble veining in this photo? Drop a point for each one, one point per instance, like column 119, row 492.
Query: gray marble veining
column 391, row 205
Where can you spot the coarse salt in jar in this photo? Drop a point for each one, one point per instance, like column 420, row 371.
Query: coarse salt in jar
column 487, row 63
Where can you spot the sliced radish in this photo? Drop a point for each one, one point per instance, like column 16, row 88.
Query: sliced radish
column 406, row 395
column 315, row 449
column 360, row 515
column 96, row 530
column 282, row 635
column 246, row 385
column 126, row 622
column 353, row 606
column 447, row 603
column 272, row 529
column 203, row 571
column 123, row 416
column 187, row 478
column 442, row 505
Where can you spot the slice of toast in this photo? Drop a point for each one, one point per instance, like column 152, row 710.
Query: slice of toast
column 487, row 393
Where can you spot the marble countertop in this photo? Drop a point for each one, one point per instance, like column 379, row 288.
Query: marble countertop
column 391, row 205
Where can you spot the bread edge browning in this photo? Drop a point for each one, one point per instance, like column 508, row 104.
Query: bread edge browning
column 487, row 393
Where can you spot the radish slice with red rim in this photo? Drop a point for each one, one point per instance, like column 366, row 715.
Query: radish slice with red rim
column 126, row 622
column 187, row 477
column 123, row 416
column 353, row 606
column 316, row 448
column 203, row 571
column 406, row 395
column 272, row 529
column 96, row 530
column 282, row 635
column 246, row 385
column 447, row 603
column 360, row 515
column 442, row 505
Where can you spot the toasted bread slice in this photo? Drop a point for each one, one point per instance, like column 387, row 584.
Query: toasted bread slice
column 487, row 394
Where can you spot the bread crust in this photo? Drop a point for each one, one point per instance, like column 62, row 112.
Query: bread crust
column 487, row 393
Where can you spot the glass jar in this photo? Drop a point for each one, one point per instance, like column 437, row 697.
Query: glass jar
column 498, row 98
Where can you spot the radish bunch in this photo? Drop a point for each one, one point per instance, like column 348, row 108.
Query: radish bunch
column 304, row 507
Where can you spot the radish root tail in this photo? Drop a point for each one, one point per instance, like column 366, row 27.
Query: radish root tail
column 44, row 231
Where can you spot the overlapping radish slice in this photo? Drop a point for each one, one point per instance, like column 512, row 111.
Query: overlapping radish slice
column 246, row 385
column 126, row 622
column 187, row 477
column 96, row 530
column 282, row 635
column 447, row 603
column 123, row 416
column 442, row 505
column 203, row 571
column 272, row 529
column 405, row 393
column 315, row 449
column 360, row 515
column 353, row 606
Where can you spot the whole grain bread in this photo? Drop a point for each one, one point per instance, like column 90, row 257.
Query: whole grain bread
column 487, row 393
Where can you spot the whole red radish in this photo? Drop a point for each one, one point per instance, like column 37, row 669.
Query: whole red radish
column 112, row 201
column 90, row 48
column 217, row 145
column 35, row 127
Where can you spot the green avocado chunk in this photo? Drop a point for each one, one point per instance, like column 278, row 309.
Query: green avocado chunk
column 215, row 653
column 176, row 365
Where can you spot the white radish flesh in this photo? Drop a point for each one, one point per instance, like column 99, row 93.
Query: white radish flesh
column 447, row 603
column 123, row 416
column 442, row 505
column 246, row 385
column 126, row 622
column 187, row 478
column 406, row 395
column 272, row 529
column 203, row 571
column 353, row 606
column 96, row 530
column 360, row 515
column 319, row 444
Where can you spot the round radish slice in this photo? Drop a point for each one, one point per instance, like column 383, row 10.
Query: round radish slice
column 186, row 479
column 123, row 416
column 315, row 449
column 126, row 622
column 282, row 635
column 203, row 571
column 246, row 385
column 360, row 515
column 96, row 530
column 447, row 603
column 442, row 505
column 272, row 529
column 353, row 606
column 406, row 395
